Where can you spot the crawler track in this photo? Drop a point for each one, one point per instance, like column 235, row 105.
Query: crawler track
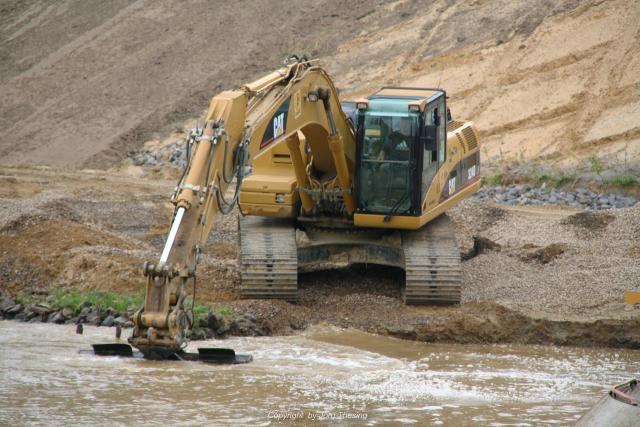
column 268, row 258
column 432, row 264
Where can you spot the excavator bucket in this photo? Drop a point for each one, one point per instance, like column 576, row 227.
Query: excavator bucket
column 116, row 349
column 217, row 355
column 221, row 356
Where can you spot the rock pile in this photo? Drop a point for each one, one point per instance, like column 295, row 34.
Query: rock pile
column 43, row 312
column 169, row 154
column 217, row 326
column 524, row 194
column 212, row 325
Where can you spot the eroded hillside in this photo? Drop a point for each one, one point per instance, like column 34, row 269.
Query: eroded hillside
column 546, row 82
column 552, row 83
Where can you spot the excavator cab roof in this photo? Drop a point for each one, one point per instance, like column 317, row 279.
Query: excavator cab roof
column 408, row 93
column 401, row 99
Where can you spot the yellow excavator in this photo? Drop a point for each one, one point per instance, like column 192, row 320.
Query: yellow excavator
column 332, row 183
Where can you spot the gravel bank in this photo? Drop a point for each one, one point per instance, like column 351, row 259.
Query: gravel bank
column 526, row 195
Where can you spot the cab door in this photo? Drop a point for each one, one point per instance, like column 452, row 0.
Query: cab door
column 434, row 141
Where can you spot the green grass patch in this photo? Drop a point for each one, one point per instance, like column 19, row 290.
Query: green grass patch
column 624, row 180
column 553, row 180
column 99, row 300
column 199, row 310
column 494, row 180
column 25, row 298
column 102, row 301
column 225, row 311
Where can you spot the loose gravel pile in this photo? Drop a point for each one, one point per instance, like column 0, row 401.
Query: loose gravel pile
column 169, row 154
column 556, row 264
column 582, row 198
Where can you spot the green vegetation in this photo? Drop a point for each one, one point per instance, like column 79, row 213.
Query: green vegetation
column 624, row 180
column 494, row 180
column 99, row 300
column 552, row 180
column 199, row 310
column 25, row 298
column 225, row 311
column 596, row 165
column 102, row 301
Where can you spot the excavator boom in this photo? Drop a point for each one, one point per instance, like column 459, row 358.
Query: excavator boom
column 239, row 125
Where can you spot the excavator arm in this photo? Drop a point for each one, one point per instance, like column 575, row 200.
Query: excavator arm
column 296, row 100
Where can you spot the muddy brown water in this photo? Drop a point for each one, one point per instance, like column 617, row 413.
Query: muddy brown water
column 326, row 376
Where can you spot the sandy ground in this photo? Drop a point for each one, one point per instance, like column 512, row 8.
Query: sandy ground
column 530, row 275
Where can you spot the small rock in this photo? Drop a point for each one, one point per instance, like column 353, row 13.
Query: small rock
column 40, row 308
column 213, row 321
column 628, row 201
column 223, row 328
column 36, row 319
column 108, row 321
column 243, row 327
column 120, row 320
column 13, row 310
column 6, row 303
column 67, row 312
column 56, row 317
column 23, row 316
column 93, row 318
column 582, row 199
column 197, row 334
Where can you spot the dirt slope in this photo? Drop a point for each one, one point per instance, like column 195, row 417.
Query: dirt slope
column 553, row 82
column 83, row 82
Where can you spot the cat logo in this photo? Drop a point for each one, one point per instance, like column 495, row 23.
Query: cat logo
column 278, row 125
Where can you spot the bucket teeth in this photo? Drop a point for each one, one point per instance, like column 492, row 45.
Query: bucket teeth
column 432, row 264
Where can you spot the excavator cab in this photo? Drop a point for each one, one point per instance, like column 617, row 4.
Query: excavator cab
column 401, row 140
